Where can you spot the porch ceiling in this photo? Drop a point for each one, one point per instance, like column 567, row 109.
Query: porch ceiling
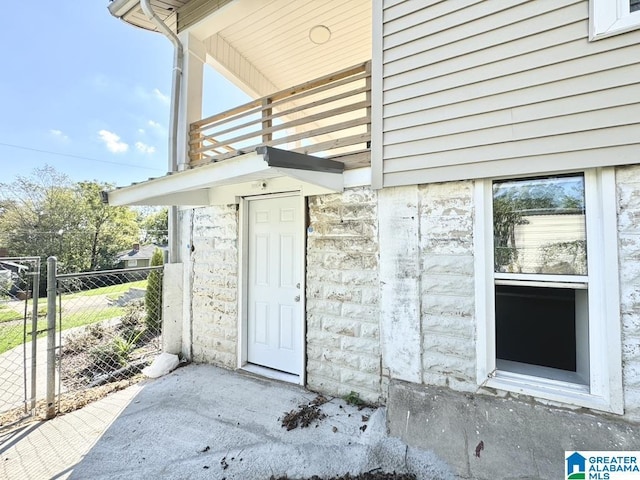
column 270, row 37
column 268, row 170
column 274, row 38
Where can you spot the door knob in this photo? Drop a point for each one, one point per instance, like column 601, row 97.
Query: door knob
column 296, row 298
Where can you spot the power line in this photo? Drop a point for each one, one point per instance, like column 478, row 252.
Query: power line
column 20, row 147
column 66, row 232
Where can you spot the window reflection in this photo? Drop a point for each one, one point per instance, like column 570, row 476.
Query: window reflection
column 539, row 226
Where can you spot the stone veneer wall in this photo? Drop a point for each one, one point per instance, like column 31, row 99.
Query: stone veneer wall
column 447, row 285
column 343, row 287
column 427, row 284
column 214, row 280
column 343, row 346
column 628, row 185
column 447, row 303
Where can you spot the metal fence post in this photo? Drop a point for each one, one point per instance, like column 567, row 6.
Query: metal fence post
column 51, row 336
column 35, row 289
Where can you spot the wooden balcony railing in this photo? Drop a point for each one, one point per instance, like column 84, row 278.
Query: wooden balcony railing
column 329, row 117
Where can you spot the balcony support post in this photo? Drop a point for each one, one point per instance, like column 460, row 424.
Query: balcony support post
column 266, row 122
column 191, row 94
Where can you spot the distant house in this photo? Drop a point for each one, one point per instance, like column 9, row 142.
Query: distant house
column 138, row 256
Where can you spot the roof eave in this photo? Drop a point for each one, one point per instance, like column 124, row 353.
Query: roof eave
column 119, row 8
column 251, row 173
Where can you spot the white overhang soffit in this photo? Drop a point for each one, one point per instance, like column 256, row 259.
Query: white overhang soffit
column 267, row 170
column 120, row 8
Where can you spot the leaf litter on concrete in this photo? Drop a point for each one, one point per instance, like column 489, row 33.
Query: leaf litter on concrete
column 305, row 414
column 373, row 475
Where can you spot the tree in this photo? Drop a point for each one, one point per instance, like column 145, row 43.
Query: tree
column 514, row 200
column 153, row 295
column 110, row 229
column 37, row 210
column 46, row 214
column 156, row 227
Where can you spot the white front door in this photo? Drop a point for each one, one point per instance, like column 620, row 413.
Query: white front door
column 274, row 317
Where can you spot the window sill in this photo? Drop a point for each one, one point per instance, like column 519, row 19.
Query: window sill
column 553, row 390
column 542, row 374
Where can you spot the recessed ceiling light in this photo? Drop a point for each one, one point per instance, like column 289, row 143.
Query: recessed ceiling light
column 319, row 34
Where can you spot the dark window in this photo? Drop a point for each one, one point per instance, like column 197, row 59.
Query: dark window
column 536, row 326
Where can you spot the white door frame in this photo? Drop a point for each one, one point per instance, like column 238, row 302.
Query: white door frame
column 243, row 270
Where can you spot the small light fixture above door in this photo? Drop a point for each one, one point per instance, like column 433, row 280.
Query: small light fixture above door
column 319, row 34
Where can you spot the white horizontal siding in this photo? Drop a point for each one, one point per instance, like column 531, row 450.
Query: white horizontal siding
column 487, row 50
column 593, row 112
column 469, row 83
column 486, row 151
column 492, row 32
column 543, row 66
column 548, row 162
column 407, row 15
column 546, row 94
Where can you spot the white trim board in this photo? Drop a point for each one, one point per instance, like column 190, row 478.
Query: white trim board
column 604, row 391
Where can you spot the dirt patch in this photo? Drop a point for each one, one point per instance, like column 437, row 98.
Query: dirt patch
column 98, row 359
column 373, row 475
column 106, row 352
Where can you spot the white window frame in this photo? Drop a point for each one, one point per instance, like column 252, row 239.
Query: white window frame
column 611, row 17
column 604, row 390
column 132, row 263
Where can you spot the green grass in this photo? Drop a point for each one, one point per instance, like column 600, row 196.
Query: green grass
column 111, row 290
column 7, row 315
column 12, row 335
column 10, row 315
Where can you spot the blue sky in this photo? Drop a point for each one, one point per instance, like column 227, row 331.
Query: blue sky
column 87, row 93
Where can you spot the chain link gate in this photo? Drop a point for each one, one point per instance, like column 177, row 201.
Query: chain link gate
column 108, row 329
column 22, row 355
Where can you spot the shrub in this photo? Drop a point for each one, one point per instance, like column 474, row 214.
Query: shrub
column 153, row 295
column 104, row 358
column 134, row 315
column 80, row 342
column 123, row 347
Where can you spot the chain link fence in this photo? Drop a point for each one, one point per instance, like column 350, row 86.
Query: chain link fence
column 109, row 328
column 19, row 324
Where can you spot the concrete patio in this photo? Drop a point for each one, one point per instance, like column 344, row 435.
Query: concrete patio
column 204, row 422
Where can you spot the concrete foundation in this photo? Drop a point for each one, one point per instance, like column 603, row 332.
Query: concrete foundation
column 491, row 438
column 172, row 308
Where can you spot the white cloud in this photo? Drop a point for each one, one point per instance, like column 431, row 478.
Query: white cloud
column 141, row 131
column 161, row 96
column 58, row 134
column 113, row 142
column 153, row 124
column 144, row 148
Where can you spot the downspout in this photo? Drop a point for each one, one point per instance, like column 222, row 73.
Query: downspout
column 178, row 60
